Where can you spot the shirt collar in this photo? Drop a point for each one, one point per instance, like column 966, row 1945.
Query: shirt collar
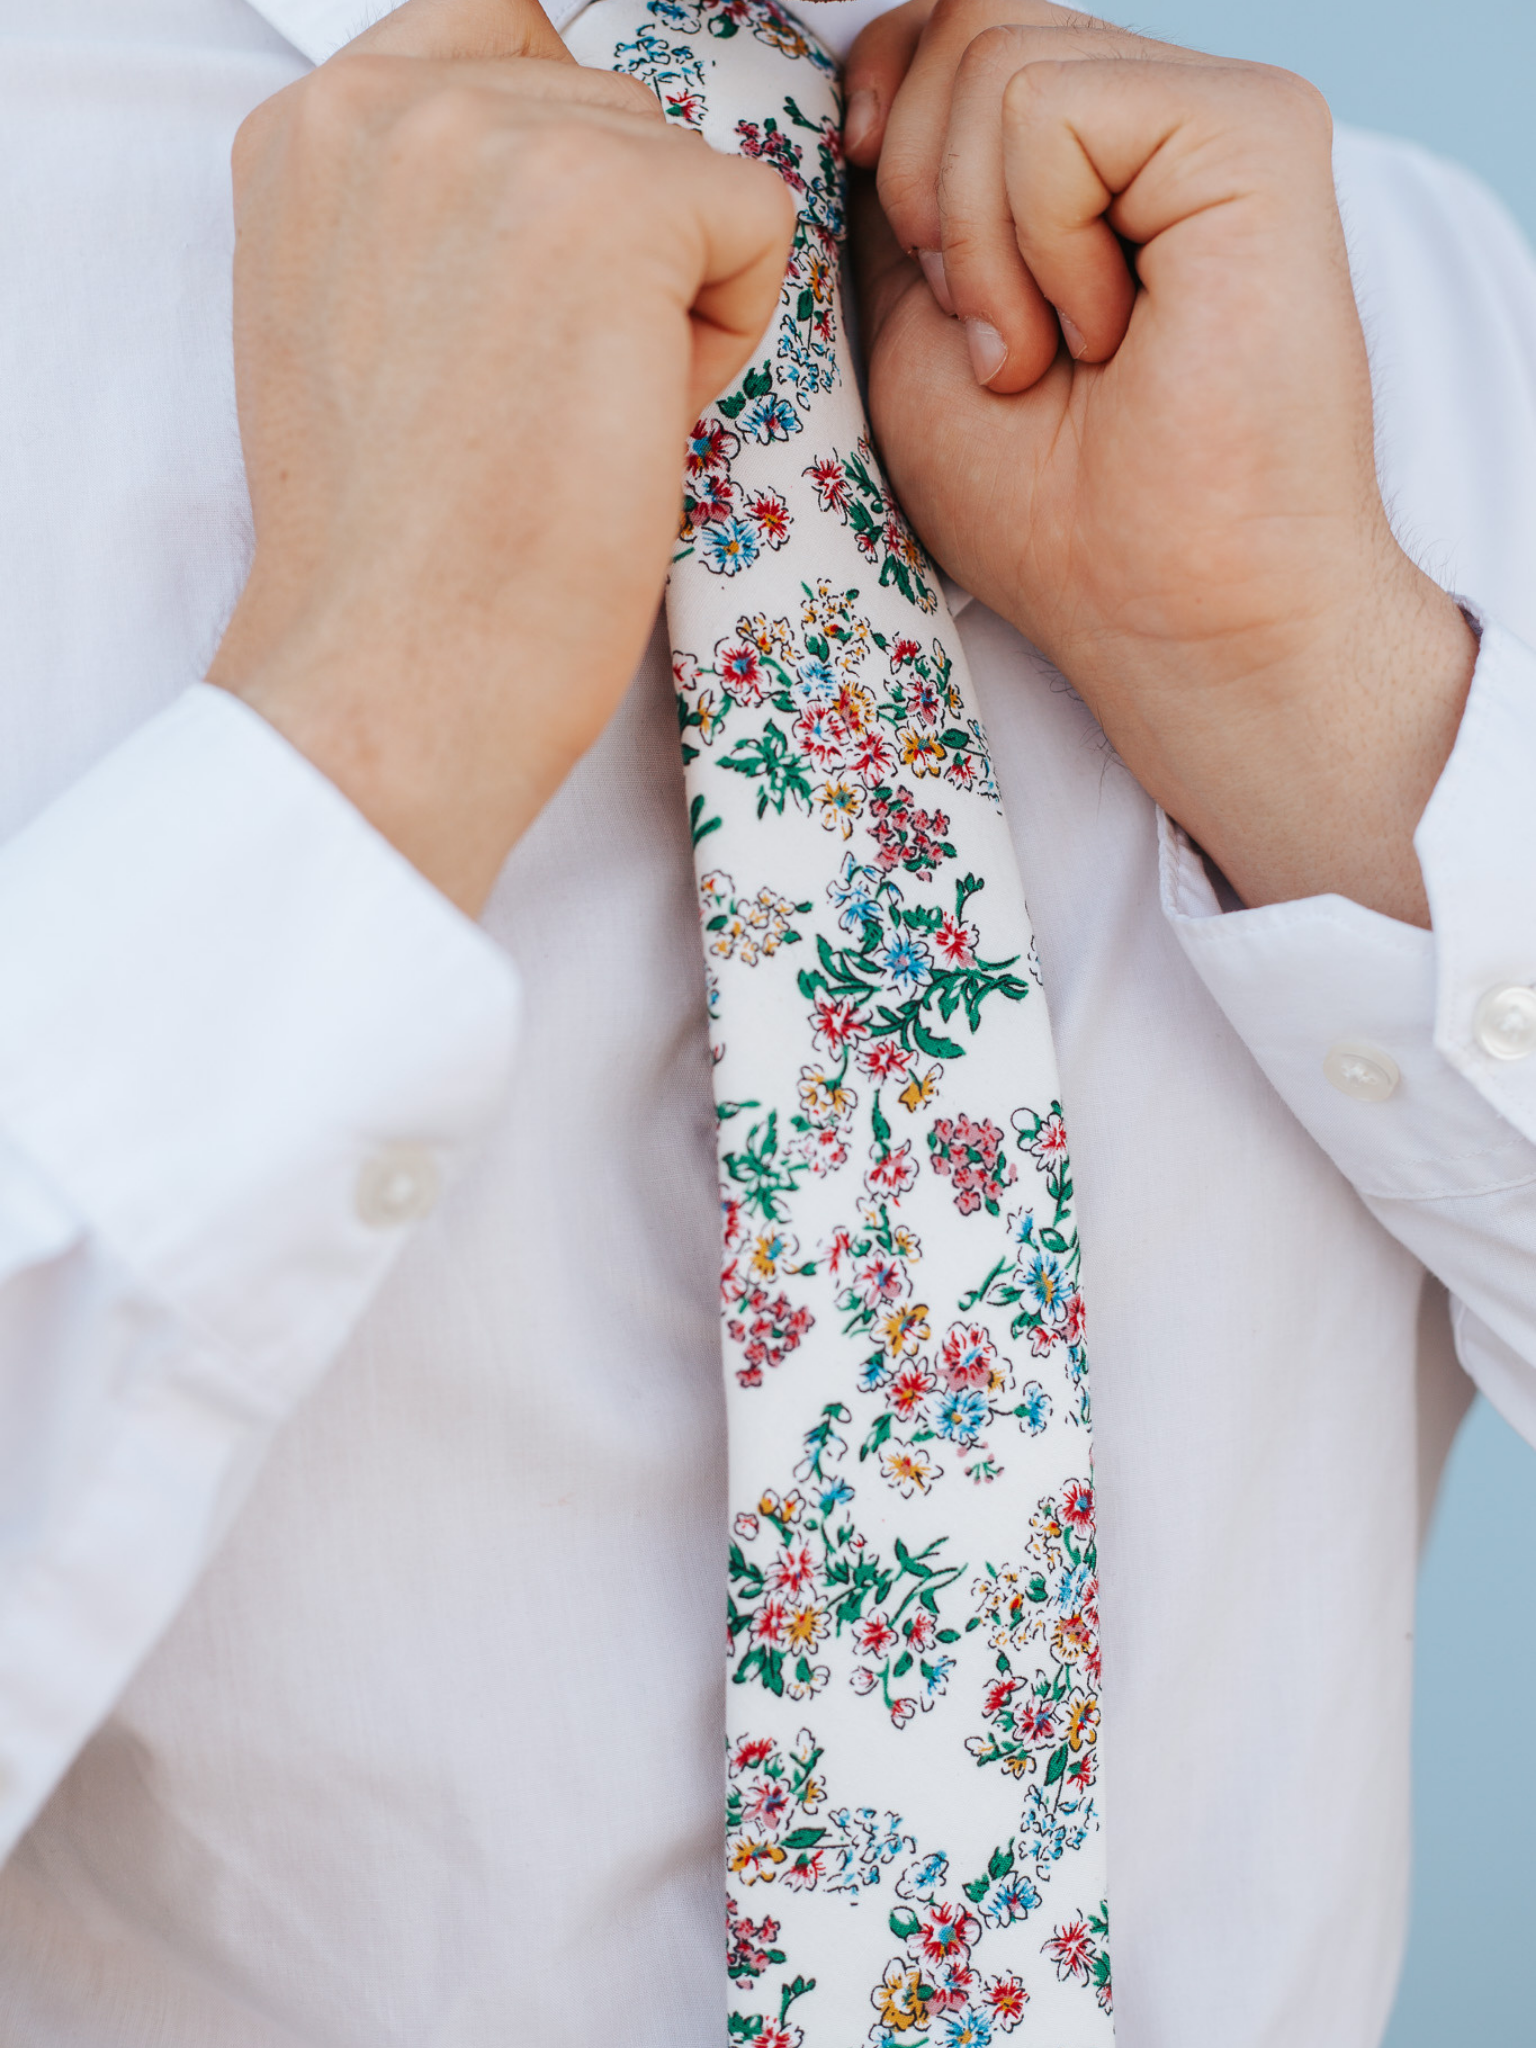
column 320, row 27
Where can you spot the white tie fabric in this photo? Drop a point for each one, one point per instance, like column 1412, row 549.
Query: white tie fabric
column 914, row 1842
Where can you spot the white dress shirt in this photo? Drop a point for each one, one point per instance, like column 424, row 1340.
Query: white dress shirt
column 361, row 1436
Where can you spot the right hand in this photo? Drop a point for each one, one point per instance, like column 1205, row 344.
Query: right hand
column 480, row 296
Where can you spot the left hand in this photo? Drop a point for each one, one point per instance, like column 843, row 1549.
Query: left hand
column 1165, row 478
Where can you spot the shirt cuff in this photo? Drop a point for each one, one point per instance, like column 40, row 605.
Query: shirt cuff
column 1416, row 1108
column 241, row 1036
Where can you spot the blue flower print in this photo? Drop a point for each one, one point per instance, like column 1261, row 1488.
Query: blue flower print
column 962, row 1416
column 905, row 960
column 730, row 545
column 1034, row 1409
column 771, row 419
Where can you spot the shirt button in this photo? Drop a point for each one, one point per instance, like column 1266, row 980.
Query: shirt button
column 1505, row 1024
column 1363, row 1072
column 397, row 1185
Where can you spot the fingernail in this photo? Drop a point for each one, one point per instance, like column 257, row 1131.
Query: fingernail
column 1077, row 345
column 859, row 121
column 989, row 351
column 932, row 261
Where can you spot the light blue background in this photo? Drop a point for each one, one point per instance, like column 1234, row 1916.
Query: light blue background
column 1461, row 80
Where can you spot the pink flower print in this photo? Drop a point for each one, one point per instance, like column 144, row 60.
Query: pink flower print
column 835, row 1023
column 968, row 1356
column 1034, row 1722
column 969, row 1154
column 953, row 1984
column 863, row 1680
column 768, row 1804
column 881, row 1280
column 893, row 1173
column 947, row 1933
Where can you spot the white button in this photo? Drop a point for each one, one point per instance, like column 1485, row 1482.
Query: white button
column 1505, row 1024
column 1362, row 1071
column 397, row 1185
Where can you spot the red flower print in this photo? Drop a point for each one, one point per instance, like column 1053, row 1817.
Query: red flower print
column 770, row 515
column 953, row 1985
column 1075, row 1314
column 920, row 1629
column 830, row 483
column 967, row 1356
column 1034, row 1722
column 770, row 1624
column 748, row 1944
column 1071, row 1950
column 893, row 1173
column 740, row 669
column 909, row 1389
column 1006, row 1998
column 836, row 1023
column 882, row 1280
column 955, row 942
column 1050, row 1141
column 903, row 652
column 997, row 1696
column 751, row 1751
column 1077, row 1506
column 947, row 1932
column 711, row 446
column 874, row 1636
column 793, row 1572
column 885, row 1060
column 902, row 1711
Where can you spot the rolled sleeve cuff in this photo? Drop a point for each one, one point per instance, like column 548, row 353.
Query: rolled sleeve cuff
column 239, row 1033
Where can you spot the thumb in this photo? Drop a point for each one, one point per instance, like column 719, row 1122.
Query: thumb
column 464, row 30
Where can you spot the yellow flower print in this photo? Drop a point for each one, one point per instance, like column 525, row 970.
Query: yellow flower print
column 766, row 637
column 755, row 1862
column 807, row 1626
column 908, row 1468
column 824, row 1097
column 917, row 1092
column 901, row 1999
column 1083, row 1723
column 922, row 752
column 904, row 1329
column 770, row 1251
column 841, row 802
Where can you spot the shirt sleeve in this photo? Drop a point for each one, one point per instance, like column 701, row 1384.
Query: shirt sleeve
column 242, row 1046
column 1410, row 1056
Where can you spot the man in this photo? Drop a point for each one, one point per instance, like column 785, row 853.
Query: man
column 360, row 1611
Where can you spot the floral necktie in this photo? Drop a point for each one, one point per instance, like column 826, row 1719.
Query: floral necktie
column 914, row 1846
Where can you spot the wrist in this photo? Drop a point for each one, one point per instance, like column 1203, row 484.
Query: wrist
column 431, row 764
column 1308, row 775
